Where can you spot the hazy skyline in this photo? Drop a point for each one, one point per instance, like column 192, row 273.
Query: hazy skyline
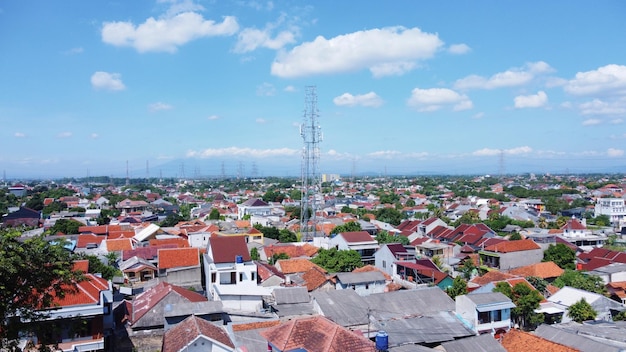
column 217, row 87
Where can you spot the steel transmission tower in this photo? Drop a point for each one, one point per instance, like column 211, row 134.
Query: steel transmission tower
column 311, row 182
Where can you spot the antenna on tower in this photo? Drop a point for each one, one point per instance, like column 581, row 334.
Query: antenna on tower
column 501, row 164
column 312, row 135
column 127, row 176
column 147, row 170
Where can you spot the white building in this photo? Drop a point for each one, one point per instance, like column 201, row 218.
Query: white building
column 614, row 208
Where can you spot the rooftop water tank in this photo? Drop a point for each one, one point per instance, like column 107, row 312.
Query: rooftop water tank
column 238, row 259
column 382, row 341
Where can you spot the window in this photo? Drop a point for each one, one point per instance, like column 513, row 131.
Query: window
column 253, row 276
column 484, row 317
column 240, row 277
column 213, row 277
column 384, row 264
column 496, row 315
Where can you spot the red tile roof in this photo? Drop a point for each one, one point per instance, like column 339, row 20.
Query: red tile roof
column 178, row 257
column 492, row 276
column 368, row 268
column 295, row 265
column 81, row 265
column 545, row 270
column 226, row 248
column 147, row 253
column 513, row 246
column 293, row 251
column 122, row 244
column 179, row 242
column 316, row 334
column 314, row 278
column 183, row 334
column 88, row 238
column 86, row 292
column 516, row 340
column 357, row 236
column 145, row 301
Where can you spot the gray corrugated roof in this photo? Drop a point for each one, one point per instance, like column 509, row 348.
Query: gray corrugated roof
column 344, row 307
column 488, row 298
column 289, row 295
column 573, row 340
column 481, row 343
column 360, row 278
column 428, row 329
column 193, row 308
column 398, row 304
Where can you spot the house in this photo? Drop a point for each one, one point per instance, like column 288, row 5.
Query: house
column 22, row 217
column 314, row 334
column 508, row 255
column 480, row 343
column 548, row 271
column 254, row 206
column 196, row 334
column 389, row 253
column 128, row 206
column 576, row 232
column 345, row 308
column 363, row 284
column 82, row 319
column 485, row 312
column 231, row 275
column 421, row 272
column 360, row 241
column 18, row 190
column 137, row 269
column 567, row 296
column 614, row 208
column 291, row 302
column 147, row 310
column 614, row 272
column 581, row 337
column 517, row 340
column 180, row 266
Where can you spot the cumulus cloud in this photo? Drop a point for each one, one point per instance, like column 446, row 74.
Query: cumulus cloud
column 617, row 121
column 601, row 107
column 612, row 152
column 242, row 152
column 512, row 151
column 261, row 120
column 607, row 79
column 213, row 117
column 459, row 49
column 290, row 89
column 158, row 106
column 385, row 51
column 19, row 135
column 64, row 135
column 510, row 78
column 385, row 154
column 166, row 34
column 107, row 81
column 370, row 99
column 250, row 39
column 94, row 136
column 436, row 98
column 531, row 101
column 591, row 122
column 266, row 90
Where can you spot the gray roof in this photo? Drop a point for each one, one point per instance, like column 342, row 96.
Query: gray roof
column 193, row 308
column 344, row 307
column 360, row 278
column 399, row 304
column 609, row 269
column 294, row 309
column 427, row 329
column 250, row 338
column 571, row 339
column 490, row 301
column 480, row 343
column 410, row 348
column 289, row 295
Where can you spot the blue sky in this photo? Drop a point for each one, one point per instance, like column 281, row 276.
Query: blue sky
column 205, row 88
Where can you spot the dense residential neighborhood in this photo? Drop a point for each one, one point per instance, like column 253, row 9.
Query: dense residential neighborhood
column 445, row 263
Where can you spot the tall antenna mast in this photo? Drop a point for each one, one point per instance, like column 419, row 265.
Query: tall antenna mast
column 311, row 183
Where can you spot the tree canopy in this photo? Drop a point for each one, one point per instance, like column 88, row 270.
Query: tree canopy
column 526, row 300
column 561, row 255
column 32, row 273
column 350, row 226
column 581, row 311
column 459, row 287
column 384, row 237
column 583, row 281
column 334, row 260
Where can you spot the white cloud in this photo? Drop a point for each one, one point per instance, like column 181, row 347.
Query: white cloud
column 64, row 135
column 391, row 50
column 512, row 151
column 242, row 152
column 19, row 135
column 370, row 99
column 266, row 90
column 213, row 117
column 459, row 49
column 158, row 106
column 290, row 89
column 385, row 154
column 94, row 136
column 612, row 152
column 107, row 81
column 510, row 78
column 607, row 79
column 251, row 39
column 591, row 122
column 74, row 51
column 166, row 34
column 531, row 101
column 436, row 98
column 261, row 120
column 600, row 107
column 617, row 121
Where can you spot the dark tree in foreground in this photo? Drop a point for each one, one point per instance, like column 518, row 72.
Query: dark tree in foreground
column 32, row 273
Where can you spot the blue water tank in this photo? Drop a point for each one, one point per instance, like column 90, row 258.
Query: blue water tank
column 238, row 259
column 382, row 341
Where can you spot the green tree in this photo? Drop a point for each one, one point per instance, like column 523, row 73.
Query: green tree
column 66, row 226
column 350, row 226
column 538, row 283
column 468, row 269
column 583, row 281
column 389, row 215
column 278, row 256
column 97, row 266
column 459, row 287
column 171, row 220
column 384, row 237
column 515, row 236
column 334, row 260
column 214, row 214
column 254, row 254
column 285, row 236
column 581, row 311
column 526, row 300
column 32, row 273
column 561, row 255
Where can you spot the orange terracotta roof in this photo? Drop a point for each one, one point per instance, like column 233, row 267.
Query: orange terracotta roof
column 545, row 270
column 492, row 276
column 89, row 238
column 179, row 242
column 314, row 278
column 513, row 246
column 178, row 257
column 81, row 265
column 255, row 325
column 242, row 224
column 293, row 251
column 182, row 335
column 122, row 244
column 85, row 292
column 295, row 265
column 516, row 340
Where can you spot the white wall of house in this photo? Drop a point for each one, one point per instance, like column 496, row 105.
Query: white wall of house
column 363, row 289
column 199, row 239
column 614, row 208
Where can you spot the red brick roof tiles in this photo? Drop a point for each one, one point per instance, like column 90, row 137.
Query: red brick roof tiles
column 179, row 242
column 182, row 335
column 316, row 334
column 145, row 301
column 178, row 257
column 88, row 238
column 85, row 292
column 545, row 270
column 295, row 265
column 121, row 244
column 513, row 246
column 293, row 251
column 357, row 236
column 225, row 248
column 516, row 340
